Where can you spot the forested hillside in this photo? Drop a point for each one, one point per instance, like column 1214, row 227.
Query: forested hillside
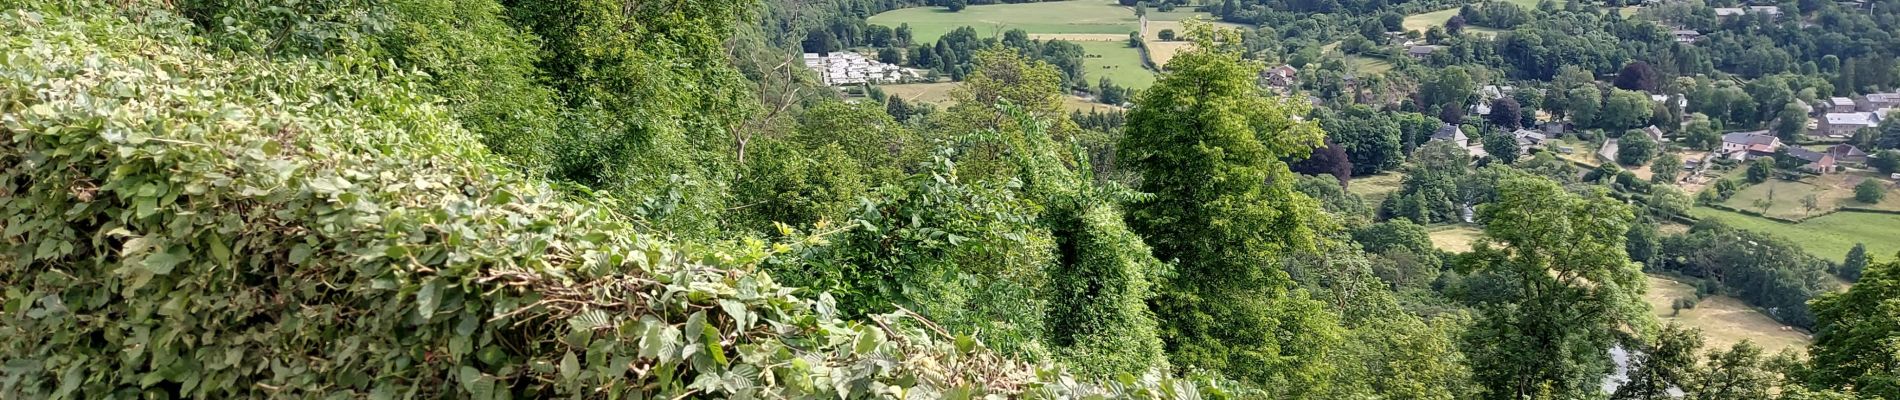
column 658, row 200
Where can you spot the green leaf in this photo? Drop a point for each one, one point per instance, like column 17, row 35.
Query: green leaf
column 163, row 263
column 965, row 344
column 300, row 253
column 426, row 298
column 570, row 366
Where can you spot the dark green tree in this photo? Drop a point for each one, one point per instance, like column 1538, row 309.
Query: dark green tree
column 1669, row 361
column 1209, row 144
column 1558, row 294
column 1854, row 332
column 1870, row 191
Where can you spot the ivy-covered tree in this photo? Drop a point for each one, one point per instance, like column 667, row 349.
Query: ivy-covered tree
column 1209, row 144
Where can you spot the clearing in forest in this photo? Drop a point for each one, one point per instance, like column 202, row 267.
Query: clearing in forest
column 1454, row 238
column 1723, row 320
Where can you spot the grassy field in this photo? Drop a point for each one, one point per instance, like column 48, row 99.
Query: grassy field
column 1423, row 21
column 939, row 94
column 1076, row 16
column 1375, row 188
column 1116, row 61
column 934, row 93
column 1827, row 236
column 1723, row 320
column 1367, row 66
column 1455, row 238
column 1161, row 51
column 1832, row 191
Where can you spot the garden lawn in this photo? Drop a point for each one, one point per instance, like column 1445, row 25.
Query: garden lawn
column 1367, row 66
column 1454, row 238
column 1723, row 320
column 1828, row 236
column 1075, row 16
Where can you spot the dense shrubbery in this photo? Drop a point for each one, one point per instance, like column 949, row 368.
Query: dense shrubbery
column 1769, row 272
column 208, row 226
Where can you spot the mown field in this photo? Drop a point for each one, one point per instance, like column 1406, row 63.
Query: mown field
column 1723, row 320
column 1828, row 236
column 1056, row 17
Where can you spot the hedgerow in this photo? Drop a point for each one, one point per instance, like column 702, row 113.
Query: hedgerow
column 182, row 224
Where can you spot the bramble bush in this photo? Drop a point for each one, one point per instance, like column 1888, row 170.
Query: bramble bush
column 183, row 224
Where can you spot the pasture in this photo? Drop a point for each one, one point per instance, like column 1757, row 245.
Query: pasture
column 1723, row 320
column 1828, row 236
column 1117, row 62
column 1786, row 198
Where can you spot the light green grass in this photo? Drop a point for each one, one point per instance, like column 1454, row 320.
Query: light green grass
column 1828, row 236
column 1075, row 16
column 1367, row 66
column 1375, row 188
column 1116, row 61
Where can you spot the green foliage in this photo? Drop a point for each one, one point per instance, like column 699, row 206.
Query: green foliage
column 1559, row 293
column 1636, row 148
column 1854, row 332
column 1209, row 145
column 1766, row 271
column 1761, row 169
column 291, row 229
column 1870, row 191
column 652, row 102
column 1665, row 169
column 1855, row 263
column 1371, row 139
column 1670, row 359
column 472, row 57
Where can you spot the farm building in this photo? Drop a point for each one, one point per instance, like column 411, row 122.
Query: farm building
column 1746, row 145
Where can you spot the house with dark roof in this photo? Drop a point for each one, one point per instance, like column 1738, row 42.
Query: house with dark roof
column 1847, row 154
column 1421, row 52
column 1452, row 133
column 1747, row 145
column 1845, row 124
column 1818, row 162
column 1842, row 105
column 1877, row 101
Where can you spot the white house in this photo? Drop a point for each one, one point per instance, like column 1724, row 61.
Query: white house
column 1746, row 145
